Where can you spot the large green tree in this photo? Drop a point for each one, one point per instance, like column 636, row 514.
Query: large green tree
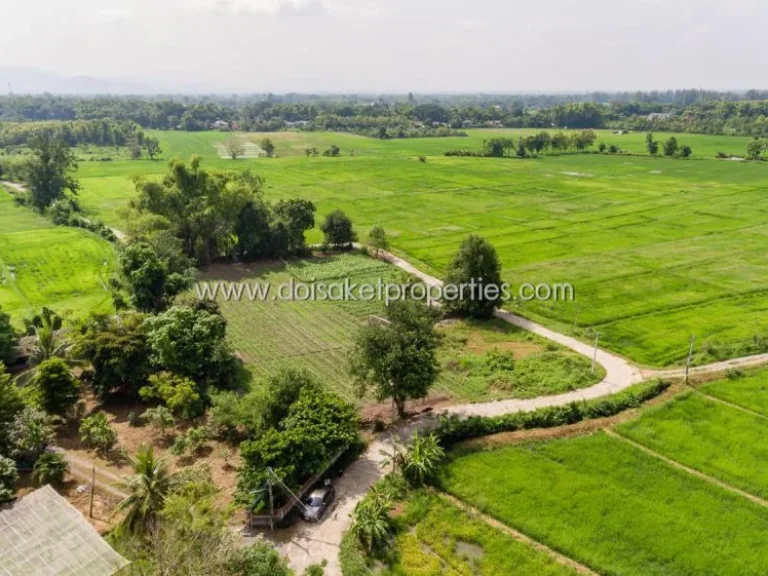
column 152, row 278
column 295, row 217
column 317, row 426
column 473, row 285
column 191, row 343
column 201, row 208
column 397, row 358
column 50, row 170
column 116, row 348
column 30, row 434
column 338, row 230
column 59, row 389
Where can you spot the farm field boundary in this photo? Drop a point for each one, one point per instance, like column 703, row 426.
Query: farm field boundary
column 517, row 535
column 688, row 469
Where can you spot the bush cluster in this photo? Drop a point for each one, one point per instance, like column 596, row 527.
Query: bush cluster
column 453, row 429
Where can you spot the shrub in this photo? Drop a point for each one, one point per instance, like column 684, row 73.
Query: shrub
column 193, row 441
column 179, row 394
column 371, row 523
column 180, row 445
column 133, row 418
column 160, row 418
column 422, row 459
column 50, row 468
column 734, row 373
column 500, row 360
column 8, row 478
column 453, row 429
column 30, row 434
column 96, row 432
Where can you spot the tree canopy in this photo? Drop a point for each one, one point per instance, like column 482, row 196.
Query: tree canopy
column 338, row 230
column 477, row 269
column 398, row 358
column 50, row 170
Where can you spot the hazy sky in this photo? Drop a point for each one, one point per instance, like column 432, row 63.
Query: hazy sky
column 394, row 45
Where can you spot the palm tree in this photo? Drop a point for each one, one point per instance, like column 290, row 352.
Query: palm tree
column 47, row 343
column 147, row 490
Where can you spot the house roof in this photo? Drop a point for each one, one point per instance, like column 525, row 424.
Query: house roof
column 44, row 535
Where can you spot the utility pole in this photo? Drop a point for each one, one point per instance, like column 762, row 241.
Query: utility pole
column 93, row 489
column 594, row 354
column 271, row 503
column 690, row 355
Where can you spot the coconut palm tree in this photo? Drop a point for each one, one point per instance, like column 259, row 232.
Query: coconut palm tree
column 146, row 489
column 47, row 345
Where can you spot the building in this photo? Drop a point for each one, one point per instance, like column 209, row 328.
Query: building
column 659, row 116
column 42, row 534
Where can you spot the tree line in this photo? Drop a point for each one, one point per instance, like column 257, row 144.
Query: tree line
column 532, row 145
column 692, row 111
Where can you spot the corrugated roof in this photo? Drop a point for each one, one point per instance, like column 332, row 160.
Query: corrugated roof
column 44, row 535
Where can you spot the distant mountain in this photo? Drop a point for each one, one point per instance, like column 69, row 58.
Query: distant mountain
column 35, row 81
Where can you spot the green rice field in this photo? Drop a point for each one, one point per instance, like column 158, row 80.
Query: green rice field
column 66, row 269
column 615, row 508
column 716, row 439
column 657, row 249
column 749, row 391
column 436, row 538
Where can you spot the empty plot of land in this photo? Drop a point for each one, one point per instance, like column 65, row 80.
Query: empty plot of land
column 272, row 335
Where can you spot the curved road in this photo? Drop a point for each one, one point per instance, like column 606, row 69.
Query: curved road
column 305, row 544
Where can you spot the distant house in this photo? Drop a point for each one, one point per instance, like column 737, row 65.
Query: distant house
column 653, row 116
column 44, row 535
column 495, row 124
column 220, row 125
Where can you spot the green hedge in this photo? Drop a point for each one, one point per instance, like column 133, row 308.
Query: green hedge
column 455, row 428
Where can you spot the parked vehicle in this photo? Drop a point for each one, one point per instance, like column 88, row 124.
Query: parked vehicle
column 318, row 502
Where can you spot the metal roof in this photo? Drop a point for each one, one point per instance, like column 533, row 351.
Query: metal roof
column 42, row 534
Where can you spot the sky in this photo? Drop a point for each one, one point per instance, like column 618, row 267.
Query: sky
column 379, row 46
